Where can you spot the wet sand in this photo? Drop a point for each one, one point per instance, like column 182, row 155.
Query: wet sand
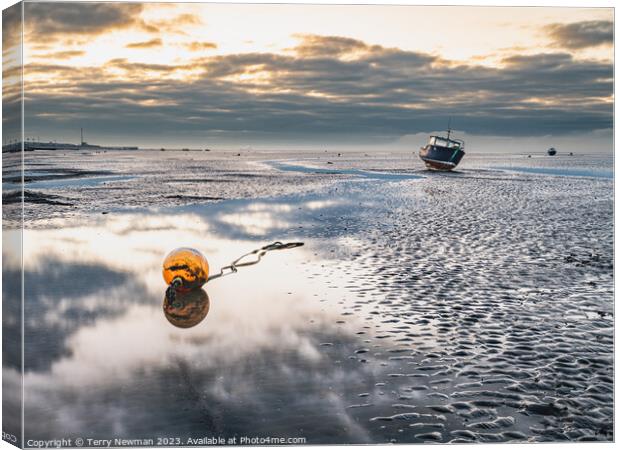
column 424, row 307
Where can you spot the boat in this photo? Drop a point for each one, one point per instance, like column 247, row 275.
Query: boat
column 442, row 153
column 551, row 151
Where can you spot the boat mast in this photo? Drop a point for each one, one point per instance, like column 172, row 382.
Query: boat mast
column 449, row 120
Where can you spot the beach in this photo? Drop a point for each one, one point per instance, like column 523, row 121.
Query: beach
column 472, row 306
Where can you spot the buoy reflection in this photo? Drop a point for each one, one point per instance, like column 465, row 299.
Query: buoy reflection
column 187, row 309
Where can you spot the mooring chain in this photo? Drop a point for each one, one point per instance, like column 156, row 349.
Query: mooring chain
column 177, row 282
column 259, row 252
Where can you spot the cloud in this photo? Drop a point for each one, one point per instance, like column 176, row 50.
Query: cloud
column 11, row 73
column 75, row 23
column 185, row 19
column 149, row 28
column 123, row 63
column 177, row 24
column 11, row 27
column 377, row 95
column 198, row 46
column 538, row 61
column 45, row 21
column 322, row 46
column 147, row 44
column 580, row 35
column 67, row 54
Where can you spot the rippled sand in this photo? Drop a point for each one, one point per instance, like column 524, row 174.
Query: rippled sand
column 424, row 307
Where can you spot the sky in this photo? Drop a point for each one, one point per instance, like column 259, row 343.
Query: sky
column 307, row 76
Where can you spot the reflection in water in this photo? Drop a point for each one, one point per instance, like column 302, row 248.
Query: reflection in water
column 187, row 309
column 260, row 360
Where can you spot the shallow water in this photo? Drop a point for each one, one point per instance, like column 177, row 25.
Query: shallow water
column 562, row 172
column 424, row 307
column 355, row 172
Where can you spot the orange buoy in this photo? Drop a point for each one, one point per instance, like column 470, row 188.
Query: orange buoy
column 186, row 268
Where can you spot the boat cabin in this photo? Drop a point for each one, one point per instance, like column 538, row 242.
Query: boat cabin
column 454, row 144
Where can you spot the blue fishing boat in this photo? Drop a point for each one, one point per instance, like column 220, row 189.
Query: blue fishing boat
column 442, row 153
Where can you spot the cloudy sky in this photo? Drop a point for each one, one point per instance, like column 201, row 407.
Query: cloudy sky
column 300, row 76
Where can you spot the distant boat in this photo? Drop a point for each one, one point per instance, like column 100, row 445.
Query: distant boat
column 442, row 153
column 551, row 152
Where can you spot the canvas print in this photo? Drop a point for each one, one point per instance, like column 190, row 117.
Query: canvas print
column 298, row 224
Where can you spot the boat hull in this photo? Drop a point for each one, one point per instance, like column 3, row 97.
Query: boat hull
column 441, row 158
